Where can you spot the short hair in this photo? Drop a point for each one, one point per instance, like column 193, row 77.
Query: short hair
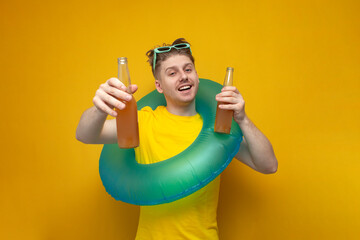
column 160, row 57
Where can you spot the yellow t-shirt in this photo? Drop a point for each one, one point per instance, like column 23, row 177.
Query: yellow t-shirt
column 163, row 135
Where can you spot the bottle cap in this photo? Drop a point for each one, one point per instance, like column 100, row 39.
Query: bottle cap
column 230, row 68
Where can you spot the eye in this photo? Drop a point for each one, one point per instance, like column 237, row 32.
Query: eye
column 172, row 73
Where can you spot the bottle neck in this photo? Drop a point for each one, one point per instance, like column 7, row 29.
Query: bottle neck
column 228, row 81
column 123, row 74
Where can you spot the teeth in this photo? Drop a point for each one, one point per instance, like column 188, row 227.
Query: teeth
column 184, row 88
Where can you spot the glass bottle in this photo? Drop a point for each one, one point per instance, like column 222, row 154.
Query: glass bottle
column 224, row 117
column 126, row 119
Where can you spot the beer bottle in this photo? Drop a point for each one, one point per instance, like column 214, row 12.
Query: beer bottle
column 224, row 117
column 126, row 119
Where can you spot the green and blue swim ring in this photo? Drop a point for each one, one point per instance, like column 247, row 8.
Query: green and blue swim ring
column 179, row 176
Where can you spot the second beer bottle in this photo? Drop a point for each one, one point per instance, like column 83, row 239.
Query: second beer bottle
column 126, row 119
column 224, row 117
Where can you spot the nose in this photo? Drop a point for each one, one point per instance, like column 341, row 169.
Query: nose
column 184, row 76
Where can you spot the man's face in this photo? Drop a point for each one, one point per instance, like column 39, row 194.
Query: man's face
column 178, row 80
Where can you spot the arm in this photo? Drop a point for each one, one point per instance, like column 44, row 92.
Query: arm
column 255, row 151
column 93, row 127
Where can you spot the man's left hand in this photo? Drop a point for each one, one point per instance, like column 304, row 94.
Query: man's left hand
column 231, row 99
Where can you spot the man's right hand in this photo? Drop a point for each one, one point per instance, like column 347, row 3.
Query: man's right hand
column 112, row 94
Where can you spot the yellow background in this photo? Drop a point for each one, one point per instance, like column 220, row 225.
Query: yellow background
column 296, row 64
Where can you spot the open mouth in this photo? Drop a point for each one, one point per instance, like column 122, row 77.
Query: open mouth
column 184, row 88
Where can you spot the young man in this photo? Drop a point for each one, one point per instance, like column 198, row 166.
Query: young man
column 169, row 130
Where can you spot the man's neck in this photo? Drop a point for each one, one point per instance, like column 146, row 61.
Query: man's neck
column 186, row 110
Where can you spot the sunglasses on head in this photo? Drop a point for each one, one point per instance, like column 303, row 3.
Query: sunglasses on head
column 168, row 49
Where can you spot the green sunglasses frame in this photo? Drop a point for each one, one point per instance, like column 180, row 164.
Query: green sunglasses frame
column 168, row 49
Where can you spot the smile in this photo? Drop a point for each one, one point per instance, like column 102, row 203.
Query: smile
column 184, row 88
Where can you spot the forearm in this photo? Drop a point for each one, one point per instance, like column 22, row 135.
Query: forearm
column 256, row 150
column 258, row 147
column 90, row 125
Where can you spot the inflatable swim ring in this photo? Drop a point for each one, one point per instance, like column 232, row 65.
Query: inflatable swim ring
column 177, row 177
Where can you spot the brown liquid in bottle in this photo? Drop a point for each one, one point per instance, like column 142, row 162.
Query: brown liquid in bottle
column 223, row 120
column 127, row 125
column 224, row 117
column 126, row 119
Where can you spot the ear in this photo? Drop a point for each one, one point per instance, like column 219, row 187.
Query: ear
column 158, row 86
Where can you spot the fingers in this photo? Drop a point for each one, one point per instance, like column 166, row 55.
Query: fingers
column 114, row 82
column 229, row 95
column 235, row 107
column 112, row 93
column 133, row 88
column 110, row 100
column 228, row 100
column 99, row 104
column 229, row 88
column 116, row 89
column 231, row 99
column 117, row 84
